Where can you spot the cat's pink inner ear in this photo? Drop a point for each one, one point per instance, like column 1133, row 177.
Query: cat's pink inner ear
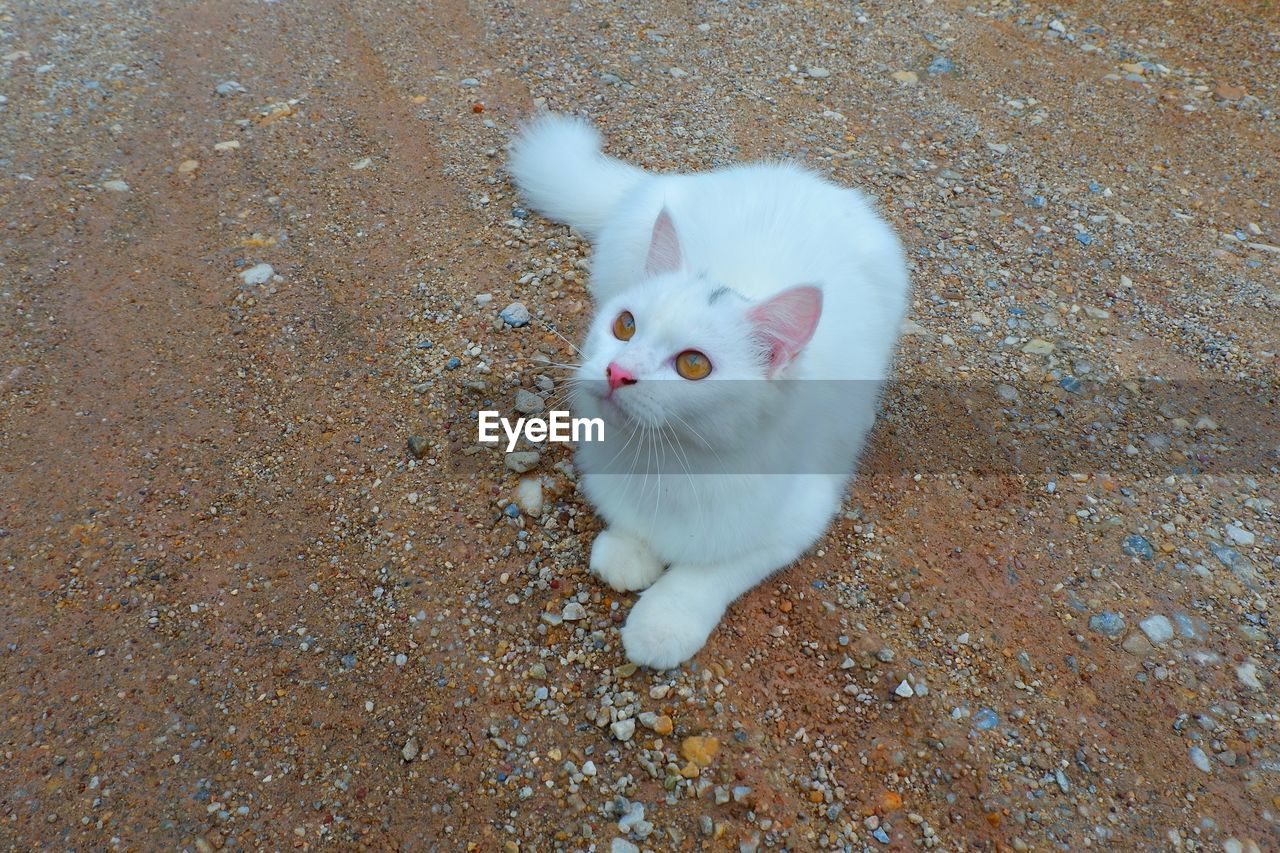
column 664, row 247
column 785, row 323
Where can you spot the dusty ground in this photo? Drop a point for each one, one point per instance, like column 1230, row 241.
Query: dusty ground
column 235, row 611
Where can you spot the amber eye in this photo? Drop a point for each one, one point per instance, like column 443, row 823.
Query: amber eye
column 624, row 327
column 692, row 364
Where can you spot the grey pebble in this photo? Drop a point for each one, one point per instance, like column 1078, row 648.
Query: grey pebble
column 1109, row 623
column 515, row 315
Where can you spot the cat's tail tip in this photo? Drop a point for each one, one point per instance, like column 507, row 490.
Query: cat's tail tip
column 558, row 166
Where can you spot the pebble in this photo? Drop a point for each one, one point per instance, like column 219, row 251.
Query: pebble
column 623, row 729
column 1037, row 346
column 904, row 690
column 985, row 720
column 521, row 461
column 941, row 65
column 1137, row 546
column 402, row 659
column 906, row 78
column 453, row 363
column 1158, row 629
column 230, row 87
column 529, row 496
column 529, row 403
column 633, row 816
column 1239, row 535
column 622, row 845
column 410, row 749
column 1108, row 623
column 573, row 611
column 700, row 750
column 115, row 186
column 1199, row 759
column 188, row 166
column 1136, row 644
column 880, row 835
column 257, row 274
column 817, row 72
column 417, row 446
column 515, row 315
column 1247, row 672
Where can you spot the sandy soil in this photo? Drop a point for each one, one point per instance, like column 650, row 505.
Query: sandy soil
column 237, row 612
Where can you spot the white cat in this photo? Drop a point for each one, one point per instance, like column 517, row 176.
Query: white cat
column 745, row 320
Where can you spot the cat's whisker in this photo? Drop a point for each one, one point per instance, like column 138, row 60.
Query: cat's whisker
column 635, row 427
column 556, row 332
column 700, row 437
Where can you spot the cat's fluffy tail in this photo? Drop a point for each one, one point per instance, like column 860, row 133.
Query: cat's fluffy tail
column 558, row 167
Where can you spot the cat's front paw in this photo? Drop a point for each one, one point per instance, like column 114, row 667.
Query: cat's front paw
column 623, row 562
column 664, row 631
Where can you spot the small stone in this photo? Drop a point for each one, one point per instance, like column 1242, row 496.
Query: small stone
column 622, row 845
column 880, row 835
column 985, row 720
column 529, row 403
column 1239, row 535
column 662, row 725
column 538, row 672
column 418, row 446
column 453, row 363
column 573, row 611
column 228, row 145
column 941, row 65
column 188, row 166
column 904, row 690
column 361, row 164
column 817, row 72
column 515, row 315
column 1108, row 623
column 230, row 87
column 906, row 78
column 521, row 461
column 588, row 768
column 700, row 750
column 115, row 186
column 529, row 496
column 1137, row 546
column 1036, row 346
column 632, row 819
column 1137, row 645
column 1158, row 629
column 1199, row 759
column 410, row 749
column 257, row 274
column 1223, row 92
column 402, row 659
column 622, row 729
column 1247, row 672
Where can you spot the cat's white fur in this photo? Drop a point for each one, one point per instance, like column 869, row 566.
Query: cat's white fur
column 695, row 541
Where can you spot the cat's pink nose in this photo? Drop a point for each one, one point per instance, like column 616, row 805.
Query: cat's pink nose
column 618, row 376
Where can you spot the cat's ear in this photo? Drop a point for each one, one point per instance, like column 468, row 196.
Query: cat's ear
column 664, row 247
column 783, row 324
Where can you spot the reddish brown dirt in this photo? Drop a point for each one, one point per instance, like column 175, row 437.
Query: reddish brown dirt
column 213, row 543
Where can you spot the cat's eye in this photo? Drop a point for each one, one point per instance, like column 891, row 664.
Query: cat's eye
column 624, row 326
column 692, row 364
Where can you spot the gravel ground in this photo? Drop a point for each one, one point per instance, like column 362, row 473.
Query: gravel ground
column 259, row 587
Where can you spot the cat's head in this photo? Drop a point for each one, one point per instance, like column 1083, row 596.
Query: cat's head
column 681, row 350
